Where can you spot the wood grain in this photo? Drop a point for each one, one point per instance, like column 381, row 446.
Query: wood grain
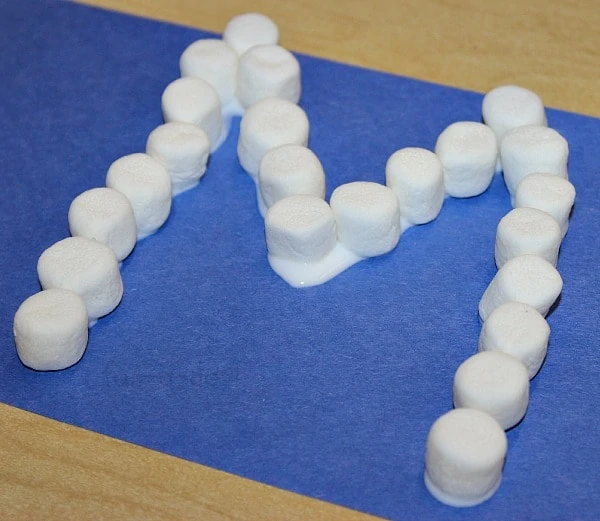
column 549, row 46
column 53, row 471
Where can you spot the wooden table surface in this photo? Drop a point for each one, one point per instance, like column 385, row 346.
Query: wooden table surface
column 53, row 471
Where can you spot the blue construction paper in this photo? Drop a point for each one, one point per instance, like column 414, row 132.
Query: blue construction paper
column 328, row 391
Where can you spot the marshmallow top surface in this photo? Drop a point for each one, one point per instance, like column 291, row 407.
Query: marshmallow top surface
column 523, row 323
column 74, row 255
column 185, row 98
column 271, row 56
column 138, row 172
column 364, row 196
column 105, row 203
column 501, row 368
column 298, row 213
column 48, row 310
column 271, row 117
column 247, row 30
column 530, row 223
column 536, row 139
column 465, row 138
column 289, row 160
column 510, row 106
column 527, row 268
column 208, row 53
column 470, row 437
column 171, row 142
column 545, row 190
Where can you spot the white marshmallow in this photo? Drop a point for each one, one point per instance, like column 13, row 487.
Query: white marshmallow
column 495, row 383
column 147, row 185
column 549, row 193
column 527, row 231
column 268, row 124
column 416, row 176
column 300, row 228
column 247, row 30
column 51, row 330
column 528, row 149
column 468, row 152
column 87, row 267
column 195, row 101
column 215, row 62
column 518, row 330
column 289, row 170
column 367, row 217
column 465, row 454
column 301, row 241
column 528, row 279
column 183, row 149
column 105, row 215
column 268, row 71
column 509, row 106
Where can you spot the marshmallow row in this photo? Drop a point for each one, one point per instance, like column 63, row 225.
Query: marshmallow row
column 467, row 446
column 369, row 217
column 80, row 275
column 310, row 241
column 462, row 165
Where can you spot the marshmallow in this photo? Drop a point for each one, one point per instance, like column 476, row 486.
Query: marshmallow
column 147, row 185
column 51, row 330
column 268, row 124
column 195, row 101
column 301, row 241
column 183, row 149
column 105, row 215
column 495, row 383
column 528, row 149
column 518, row 330
column 87, row 267
column 528, row 279
column 215, row 62
column 527, row 231
column 468, row 152
column 549, row 193
column 465, row 453
column 510, row 106
column 268, row 71
column 367, row 217
column 416, row 176
column 300, row 228
column 289, row 170
column 247, row 30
